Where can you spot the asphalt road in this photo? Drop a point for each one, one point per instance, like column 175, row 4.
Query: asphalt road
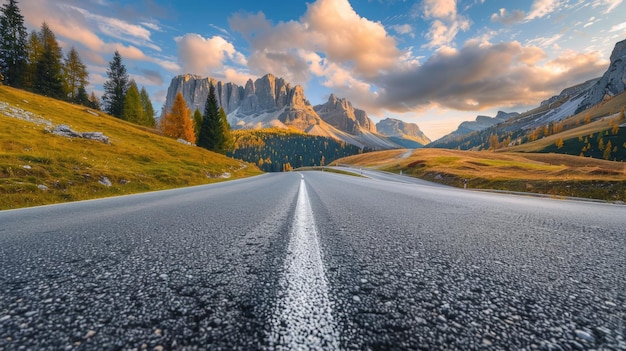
column 317, row 261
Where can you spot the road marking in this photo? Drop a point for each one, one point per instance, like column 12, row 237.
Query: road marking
column 303, row 318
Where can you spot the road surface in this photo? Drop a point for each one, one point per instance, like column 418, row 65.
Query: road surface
column 314, row 261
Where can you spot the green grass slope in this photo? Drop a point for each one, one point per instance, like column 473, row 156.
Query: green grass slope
column 38, row 167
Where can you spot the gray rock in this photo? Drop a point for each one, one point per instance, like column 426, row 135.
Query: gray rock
column 340, row 113
column 42, row 187
column 66, row 131
column 105, row 181
column 612, row 82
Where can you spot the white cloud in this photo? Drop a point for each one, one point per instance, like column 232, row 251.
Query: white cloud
column 329, row 27
column 206, row 56
column 609, row 4
column 506, row 18
column 618, row 27
column 118, row 29
column 404, row 29
column 544, row 42
column 542, row 8
column 446, row 24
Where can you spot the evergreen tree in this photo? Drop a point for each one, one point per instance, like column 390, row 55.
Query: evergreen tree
column 13, row 37
column 94, row 101
column 148, row 110
column 197, row 122
column 176, row 123
column 211, row 129
column 74, row 74
column 228, row 141
column 49, row 80
column 132, row 110
column 81, row 97
column 115, row 87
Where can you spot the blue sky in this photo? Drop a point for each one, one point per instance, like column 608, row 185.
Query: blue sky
column 431, row 62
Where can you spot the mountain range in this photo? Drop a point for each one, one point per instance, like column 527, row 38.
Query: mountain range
column 569, row 102
column 270, row 101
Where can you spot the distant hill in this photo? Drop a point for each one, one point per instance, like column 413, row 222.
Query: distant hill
column 406, row 134
column 575, row 106
column 39, row 167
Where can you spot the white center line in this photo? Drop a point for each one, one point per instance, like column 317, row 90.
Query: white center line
column 303, row 318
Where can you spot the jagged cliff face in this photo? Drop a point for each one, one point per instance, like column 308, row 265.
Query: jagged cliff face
column 396, row 128
column 340, row 114
column 613, row 81
column 272, row 102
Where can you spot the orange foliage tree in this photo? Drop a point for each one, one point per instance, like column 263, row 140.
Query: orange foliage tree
column 177, row 123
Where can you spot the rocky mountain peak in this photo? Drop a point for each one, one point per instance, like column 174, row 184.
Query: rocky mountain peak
column 396, row 128
column 340, row 113
column 612, row 83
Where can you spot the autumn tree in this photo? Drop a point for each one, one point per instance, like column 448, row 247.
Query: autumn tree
column 148, row 109
column 132, row 109
column 115, row 87
column 95, row 102
column 559, row 143
column 34, row 49
column 211, row 129
column 13, row 39
column 74, row 74
column 176, row 123
column 607, row 150
column 493, row 142
column 49, row 76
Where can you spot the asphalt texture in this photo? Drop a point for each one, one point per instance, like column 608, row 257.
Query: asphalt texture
column 314, row 261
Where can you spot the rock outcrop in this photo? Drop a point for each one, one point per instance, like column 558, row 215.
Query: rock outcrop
column 396, row 128
column 612, row 82
column 340, row 114
column 66, row 131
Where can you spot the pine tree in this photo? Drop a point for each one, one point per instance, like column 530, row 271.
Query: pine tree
column 13, row 37
column 81, row 97
column 228, row 141
column 94, row 101
column 115, row 87
column 49, row 80
column 148, row 110
column 74, row 74
column 197, row 122
column 176, row 123
column 132, row 110
column 211, row 129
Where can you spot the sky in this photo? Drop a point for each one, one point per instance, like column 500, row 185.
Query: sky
column 431, row 62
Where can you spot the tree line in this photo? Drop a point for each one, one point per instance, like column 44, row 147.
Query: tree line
column 35, row 62
column 278, row 150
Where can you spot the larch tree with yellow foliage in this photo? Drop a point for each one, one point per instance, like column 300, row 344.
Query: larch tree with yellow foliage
column 177, row 123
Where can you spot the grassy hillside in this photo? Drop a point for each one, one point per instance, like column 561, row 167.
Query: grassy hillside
column 554, row 174
column 593, row 120
column 136, row 160
column 583, row 139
